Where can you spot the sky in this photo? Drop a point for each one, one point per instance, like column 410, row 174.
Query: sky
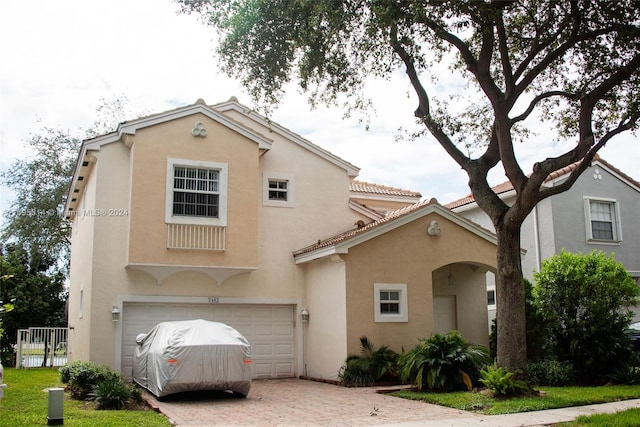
column 59, row 58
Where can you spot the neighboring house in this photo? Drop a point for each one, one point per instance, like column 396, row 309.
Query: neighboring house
column 601, row 211
column 208, row 212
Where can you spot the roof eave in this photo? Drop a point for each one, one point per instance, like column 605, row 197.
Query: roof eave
column 343, row 246
column 352, row 171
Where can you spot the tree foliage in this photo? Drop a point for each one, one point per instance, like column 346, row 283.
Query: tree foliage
column 573, row 64
column 585, row 302
column 41, row 181
column 5, row 307
column 37, row 293
column 35, row 218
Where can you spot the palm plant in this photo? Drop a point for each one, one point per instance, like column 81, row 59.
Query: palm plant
column 370, row 366
column 443, row 363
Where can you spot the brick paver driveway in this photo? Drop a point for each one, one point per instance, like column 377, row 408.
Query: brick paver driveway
column 293, row 402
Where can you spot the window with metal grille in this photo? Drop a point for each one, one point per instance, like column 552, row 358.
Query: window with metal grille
column 278, row 190
column 196, row 191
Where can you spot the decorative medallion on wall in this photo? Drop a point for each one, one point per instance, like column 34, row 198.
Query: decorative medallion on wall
column 434, row 229
column 597, row 175
column 199, row 130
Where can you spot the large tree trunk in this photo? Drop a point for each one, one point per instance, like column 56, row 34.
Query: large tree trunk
column 510, row 302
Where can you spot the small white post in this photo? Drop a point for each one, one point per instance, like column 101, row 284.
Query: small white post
column 55, row 416
column 1, row 379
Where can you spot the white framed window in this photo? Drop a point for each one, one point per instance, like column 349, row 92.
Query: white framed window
column 278, row 190
column 602, row 220
column 390, row 302
column 196, row 192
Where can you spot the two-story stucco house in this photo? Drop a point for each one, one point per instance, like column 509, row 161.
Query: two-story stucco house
column 215, row 212
column 601, row 211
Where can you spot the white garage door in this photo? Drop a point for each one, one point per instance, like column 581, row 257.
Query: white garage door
column 269, row 329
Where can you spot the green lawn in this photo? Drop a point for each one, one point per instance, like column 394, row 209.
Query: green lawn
column 630, row 417
column 551, row 397
column 25, row 403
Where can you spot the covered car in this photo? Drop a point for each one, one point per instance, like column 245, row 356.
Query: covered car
column 191, row 355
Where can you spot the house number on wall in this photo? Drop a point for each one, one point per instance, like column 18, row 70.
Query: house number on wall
column 213, row 300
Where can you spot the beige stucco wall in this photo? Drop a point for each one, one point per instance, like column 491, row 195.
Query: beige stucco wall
column 325, row 337
column 151, row 148
column 80, row 270
column 408, row 255
column 258, row 236
column 99, row 239
column 110, row 237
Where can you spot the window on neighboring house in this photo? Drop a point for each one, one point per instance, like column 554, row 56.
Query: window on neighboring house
column 491, row 297
column 391, row 302
column 278, row 190
column 196, row 192
column 602, row 221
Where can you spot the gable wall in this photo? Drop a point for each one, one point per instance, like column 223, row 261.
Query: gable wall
column 151, row 149
column 570, row 220
column 408, row 255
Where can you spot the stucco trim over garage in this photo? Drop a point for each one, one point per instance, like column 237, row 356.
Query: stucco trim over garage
column 341, row 243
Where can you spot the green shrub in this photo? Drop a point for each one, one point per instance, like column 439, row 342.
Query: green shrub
column 353, row 375
column 443, row 363
column 501, row 382
column 551, row 372
column 82, row 377
column 627, row 374
column 136, row 393
column 371, row 366
column 585, row 301
column 112, row 392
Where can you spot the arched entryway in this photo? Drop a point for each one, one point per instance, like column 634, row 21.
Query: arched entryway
column 459, row 300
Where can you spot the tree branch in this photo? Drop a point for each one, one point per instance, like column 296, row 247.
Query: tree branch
column 507, row 70
column 566, row 184
column 423, row 111
column 539, row 98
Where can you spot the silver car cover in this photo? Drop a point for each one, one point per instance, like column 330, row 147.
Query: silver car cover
column 192, row 355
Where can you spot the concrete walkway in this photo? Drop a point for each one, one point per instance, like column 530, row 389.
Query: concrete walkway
column 294, row 402
column 531, row 419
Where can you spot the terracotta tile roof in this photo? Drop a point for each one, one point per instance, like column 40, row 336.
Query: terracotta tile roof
column 507, row 186
column 498, row 189
column 371, row 188
column 393, row 215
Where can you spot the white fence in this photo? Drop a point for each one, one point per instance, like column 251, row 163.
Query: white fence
column 39, row 347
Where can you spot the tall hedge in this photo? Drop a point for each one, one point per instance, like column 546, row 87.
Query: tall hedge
column 585, row 301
